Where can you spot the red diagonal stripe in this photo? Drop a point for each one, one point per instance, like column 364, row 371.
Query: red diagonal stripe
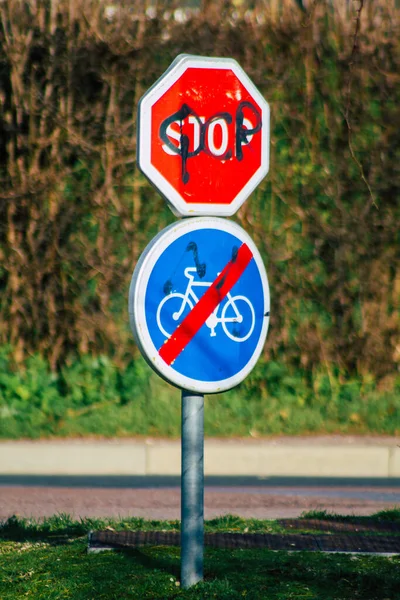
column 191, row 324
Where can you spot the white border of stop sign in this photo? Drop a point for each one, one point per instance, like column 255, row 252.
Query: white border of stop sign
column 177, row 203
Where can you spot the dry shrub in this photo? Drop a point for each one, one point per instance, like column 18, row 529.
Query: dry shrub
column 75, row 213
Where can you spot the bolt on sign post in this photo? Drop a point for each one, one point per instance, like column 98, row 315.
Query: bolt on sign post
column 199, row 297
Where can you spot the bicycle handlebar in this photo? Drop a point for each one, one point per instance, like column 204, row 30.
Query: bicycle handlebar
column 190, row 270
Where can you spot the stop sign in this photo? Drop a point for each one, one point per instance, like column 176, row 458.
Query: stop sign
column 203, row 136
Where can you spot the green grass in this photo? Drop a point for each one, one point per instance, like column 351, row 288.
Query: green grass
column 390, row 514
column 48, row 560
column 63, row 526
column 95, row 397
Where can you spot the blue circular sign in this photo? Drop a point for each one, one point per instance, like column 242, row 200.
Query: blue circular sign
column 199, row 304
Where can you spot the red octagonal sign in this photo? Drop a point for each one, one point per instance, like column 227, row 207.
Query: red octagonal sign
column 203, row 136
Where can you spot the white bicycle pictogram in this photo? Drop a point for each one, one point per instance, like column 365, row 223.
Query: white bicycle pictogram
column 177, row 305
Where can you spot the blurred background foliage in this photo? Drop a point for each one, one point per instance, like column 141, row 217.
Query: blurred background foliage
column 75, row 213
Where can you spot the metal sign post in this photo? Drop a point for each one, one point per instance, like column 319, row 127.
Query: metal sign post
column 199, row 296
column 192, row 489
column 199, row 311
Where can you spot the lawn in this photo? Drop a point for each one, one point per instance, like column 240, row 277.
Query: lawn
column 49, row 560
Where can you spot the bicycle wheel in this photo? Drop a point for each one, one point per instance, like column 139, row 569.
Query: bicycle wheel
column 171, row 311
column 238, row 318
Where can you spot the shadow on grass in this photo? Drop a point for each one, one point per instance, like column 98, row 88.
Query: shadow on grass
column 63, row 527
column 391, row 515
column 158, row 558
column 274, row 574
column 57, row 530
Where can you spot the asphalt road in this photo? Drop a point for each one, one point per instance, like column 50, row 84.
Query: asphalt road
column 159, row 497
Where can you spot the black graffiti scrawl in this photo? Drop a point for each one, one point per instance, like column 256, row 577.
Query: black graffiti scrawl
column 242, row 134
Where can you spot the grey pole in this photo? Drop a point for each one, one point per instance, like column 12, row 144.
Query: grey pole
column 192, row 489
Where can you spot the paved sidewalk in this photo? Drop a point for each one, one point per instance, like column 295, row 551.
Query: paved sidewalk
column 322, row 456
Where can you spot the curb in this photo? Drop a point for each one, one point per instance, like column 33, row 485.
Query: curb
column 377, row 545
column 333, row 456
